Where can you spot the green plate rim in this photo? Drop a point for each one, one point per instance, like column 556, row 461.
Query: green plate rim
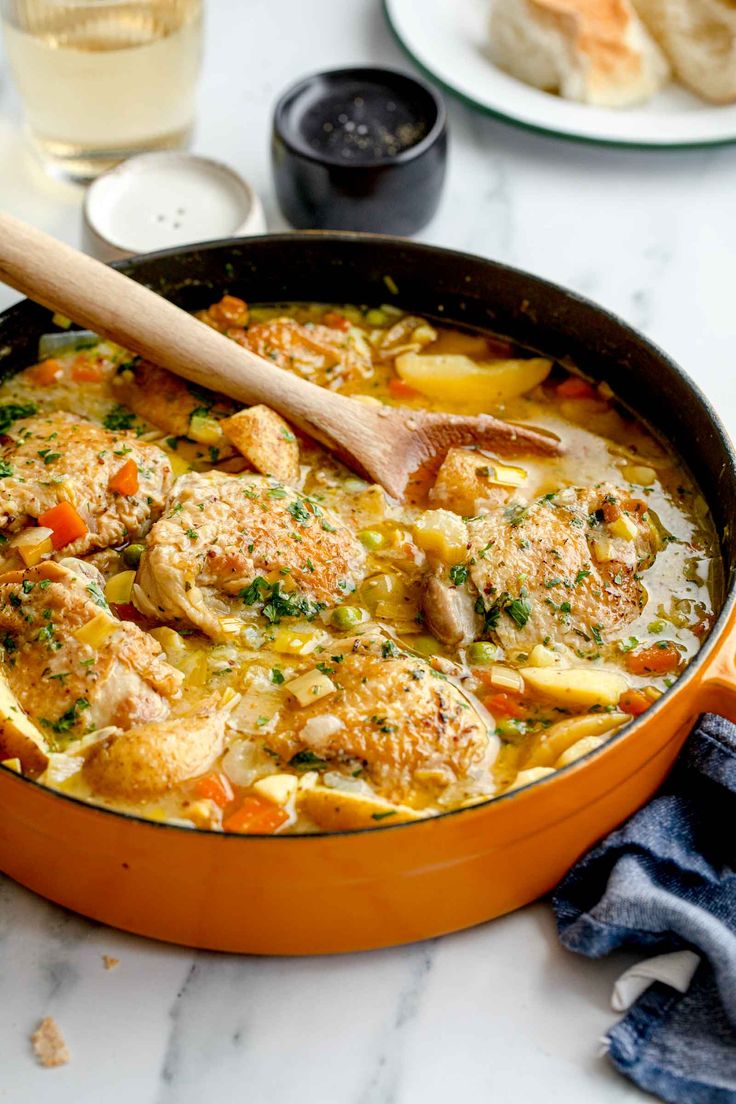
column 533, row 128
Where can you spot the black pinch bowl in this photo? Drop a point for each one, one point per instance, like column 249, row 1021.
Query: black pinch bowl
column 392, row 194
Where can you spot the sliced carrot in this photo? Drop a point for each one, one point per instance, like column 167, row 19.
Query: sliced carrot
column 125, row 479
column 401, row 390
column 634, row 702
column 504, row 705
column 230, row 311
column 65, row 524
column 575, row 388
column 255, row 815
column 85, row 370
column 658, row 659
column 215, row 787
column 47, row 372
column 336, row 321
column 126, row 611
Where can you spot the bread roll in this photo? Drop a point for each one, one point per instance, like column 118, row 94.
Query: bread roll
column 594, row 51
column 699, row 37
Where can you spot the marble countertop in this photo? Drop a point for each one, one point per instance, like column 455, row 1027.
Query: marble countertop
column 498, row 1013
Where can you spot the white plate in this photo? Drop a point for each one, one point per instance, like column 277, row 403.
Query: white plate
column 448, row 39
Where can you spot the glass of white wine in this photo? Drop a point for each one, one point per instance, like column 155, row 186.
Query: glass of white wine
column 101, row 80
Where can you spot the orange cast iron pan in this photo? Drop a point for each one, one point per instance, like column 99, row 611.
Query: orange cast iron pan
column 388, row 885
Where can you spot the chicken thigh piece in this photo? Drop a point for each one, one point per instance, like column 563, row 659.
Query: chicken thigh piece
column 414, row 731
column 228, row 544
column 168, row 401
column 150, row 759
column 72, row 666
column 52, row 458
column 566, row 566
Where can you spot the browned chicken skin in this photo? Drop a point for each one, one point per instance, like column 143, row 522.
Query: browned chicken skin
column 163, row 399
column 559, row 567
column 59, row 456
column 222, row 532
column 146, row 761
column 68, row 687
column 412, row 728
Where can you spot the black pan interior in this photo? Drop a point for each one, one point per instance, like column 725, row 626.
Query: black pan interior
column 449, row 286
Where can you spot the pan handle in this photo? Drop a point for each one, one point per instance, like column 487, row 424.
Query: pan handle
column 717, row 687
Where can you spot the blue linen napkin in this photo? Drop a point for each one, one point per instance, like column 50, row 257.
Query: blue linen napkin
column 665, row 881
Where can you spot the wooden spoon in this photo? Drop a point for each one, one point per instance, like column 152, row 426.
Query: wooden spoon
column 386, row 443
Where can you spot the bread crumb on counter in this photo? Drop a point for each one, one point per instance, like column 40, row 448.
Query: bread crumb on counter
column 109, row 962
column 48, row 1044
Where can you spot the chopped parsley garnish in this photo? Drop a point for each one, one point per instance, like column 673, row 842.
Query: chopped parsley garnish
column 299, row 512
column 459, row 574
column 119, row 418
column 46, row 635
column 307, row 760
column 277, row 676
column 279, row 603
column 6, row 469
column 255, row 591
column 516, row 514
column 96, row 595
column 68, row 719
column 519, row 609
column 48, row 456
column 11, row 412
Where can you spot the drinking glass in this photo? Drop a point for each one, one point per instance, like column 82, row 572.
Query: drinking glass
column 101, row 80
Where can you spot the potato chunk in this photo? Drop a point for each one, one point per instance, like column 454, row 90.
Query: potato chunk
column 340, row 811
column 576, row 687
column 442, row 534
column 549, row 745
column 19, row 737
column 473, row 383
column 264, row 438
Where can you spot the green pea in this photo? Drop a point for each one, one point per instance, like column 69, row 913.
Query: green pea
column 132, row 554
column 376, row 317
column 371, row 539
column 347, row 617
column 656, row 627
column 482, row 651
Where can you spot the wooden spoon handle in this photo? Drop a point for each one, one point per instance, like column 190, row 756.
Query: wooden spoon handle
column 118, row 308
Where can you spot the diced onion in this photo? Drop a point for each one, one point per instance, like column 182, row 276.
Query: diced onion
column 506, row 678
column 52, row 344
column 318, row 730
column 33, row 544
